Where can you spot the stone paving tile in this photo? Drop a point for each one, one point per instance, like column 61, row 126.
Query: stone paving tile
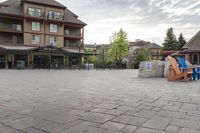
column 11, row 116
column 113, row 126
column 131, row 120
column 22, row 123
column 107, row 106
column 185, row 123
column 157, row 124
column 147, row 114
column 129, row 129
column 99, row 110
column 49, row 126
column 156, row 109
column 84, row 127
column 84, row 107
column 33, row 130
column 5, row 129
column 171, row 114
column 79, row 97
column 96, row 117
column 131, row 109
column 192, row 117
column 187, row 130
column 171, row 108
column 172, row 129
column 116, row 111
column 147, row 130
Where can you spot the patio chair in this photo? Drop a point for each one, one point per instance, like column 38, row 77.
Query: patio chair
column 195, row 70
column 175, row 73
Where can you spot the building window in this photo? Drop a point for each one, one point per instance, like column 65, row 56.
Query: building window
column 67, row 32
column 16, row 27
column 53, row 28
column 35, row 39
column 34, row 12
column 36, row 26
column 54, row 15
column 53, row 40
column 195, row 59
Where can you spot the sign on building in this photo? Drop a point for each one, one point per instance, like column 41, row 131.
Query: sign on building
column 148, row 66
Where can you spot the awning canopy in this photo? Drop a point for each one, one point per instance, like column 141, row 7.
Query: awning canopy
column 45, row 49
column 17, row 48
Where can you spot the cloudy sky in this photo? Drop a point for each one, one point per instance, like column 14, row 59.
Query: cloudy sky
column 142, row 19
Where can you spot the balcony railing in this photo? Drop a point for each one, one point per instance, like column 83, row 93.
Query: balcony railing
column 55, row 17
column 11, row 27
column 72, row 33
column 34, row 14
column 16, row 27
column 72, row 44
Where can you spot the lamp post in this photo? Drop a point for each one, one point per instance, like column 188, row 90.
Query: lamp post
column 79, row 56
column 103, row 56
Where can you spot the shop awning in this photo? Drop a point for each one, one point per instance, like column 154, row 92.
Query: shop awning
column 17, row 48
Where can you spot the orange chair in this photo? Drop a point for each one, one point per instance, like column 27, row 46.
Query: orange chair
column 175, row 73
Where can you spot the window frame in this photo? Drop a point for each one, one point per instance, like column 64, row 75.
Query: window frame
column 53, row 40
column 34, row 11
column 54, row 15
column 36, row 39
column 37, row 27
column 53, row 28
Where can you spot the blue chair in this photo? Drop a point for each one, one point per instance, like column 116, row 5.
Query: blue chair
column 182, row 64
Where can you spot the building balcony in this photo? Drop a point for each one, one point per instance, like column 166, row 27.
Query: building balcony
column 34, row 16
column 11, row 28
column 55, row 18
column 70, row 34
column 72, row 44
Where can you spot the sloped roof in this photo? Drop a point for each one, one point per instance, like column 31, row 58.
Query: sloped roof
column 71, row 13
column 46, row 2
column 194, row 43
column 144, row 44
column 13, row 7
column 70, row 17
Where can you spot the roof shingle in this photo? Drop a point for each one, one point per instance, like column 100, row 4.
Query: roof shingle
column 13, row 8
column 145, row 44
column 46, row 2
column 194, row 43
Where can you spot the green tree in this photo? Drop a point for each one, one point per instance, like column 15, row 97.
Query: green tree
column 170, row 42
column 92, row 59
column 181, row 41
column 119, row 47
column 143, row 55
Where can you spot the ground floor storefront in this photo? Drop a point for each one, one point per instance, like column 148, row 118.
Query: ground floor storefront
column 47, row 57
column 192, row 56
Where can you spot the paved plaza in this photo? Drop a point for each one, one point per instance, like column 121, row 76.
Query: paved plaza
column 43, row 101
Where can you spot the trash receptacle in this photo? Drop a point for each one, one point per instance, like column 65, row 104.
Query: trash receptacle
column 20, row 64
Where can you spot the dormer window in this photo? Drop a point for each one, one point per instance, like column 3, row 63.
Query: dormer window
column 54, row 15
column 35, row 12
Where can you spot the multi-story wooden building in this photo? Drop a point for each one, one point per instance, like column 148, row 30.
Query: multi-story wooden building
column 136, row 47
column 41, row 33
column 191, row 50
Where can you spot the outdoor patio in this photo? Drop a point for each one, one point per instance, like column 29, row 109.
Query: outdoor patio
column 116, row 101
